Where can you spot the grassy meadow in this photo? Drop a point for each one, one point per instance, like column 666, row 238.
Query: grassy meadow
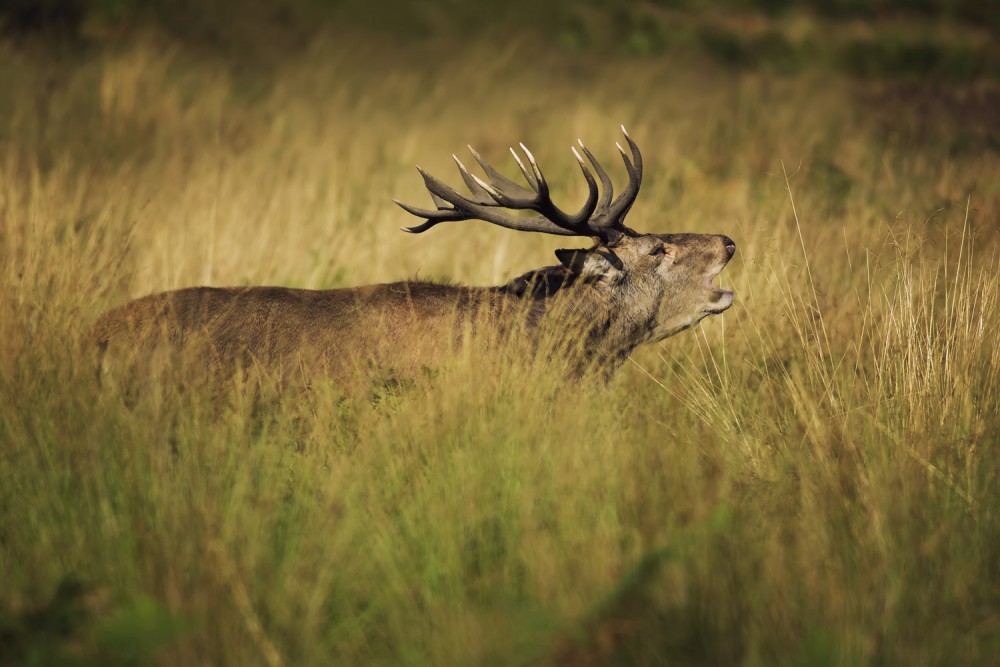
column 809, row 479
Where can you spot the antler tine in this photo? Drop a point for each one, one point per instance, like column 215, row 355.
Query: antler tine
column 624, row 202
column 636, row 155
column 478, row 189
column 433, row 217
column 528, row 176
column 541, row 187
column 608, row 189
column 601, row 221
column 585, row 213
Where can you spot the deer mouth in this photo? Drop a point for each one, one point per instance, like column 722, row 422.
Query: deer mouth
column 722, row 298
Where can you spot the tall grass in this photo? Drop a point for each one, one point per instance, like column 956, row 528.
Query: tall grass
column 809, row 479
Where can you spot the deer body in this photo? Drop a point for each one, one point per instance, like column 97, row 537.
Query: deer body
column 602, row 302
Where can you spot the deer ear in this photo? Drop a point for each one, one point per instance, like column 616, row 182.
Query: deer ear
column 591, row 264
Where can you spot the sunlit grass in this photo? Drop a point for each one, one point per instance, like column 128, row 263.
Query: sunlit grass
column 809, row 479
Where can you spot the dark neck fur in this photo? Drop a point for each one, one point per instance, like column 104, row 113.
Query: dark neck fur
column 556, row 290
column 539, row 284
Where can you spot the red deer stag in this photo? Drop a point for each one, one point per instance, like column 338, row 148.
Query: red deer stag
column 625, row 290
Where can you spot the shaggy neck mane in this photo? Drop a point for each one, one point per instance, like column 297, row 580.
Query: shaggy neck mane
column 557, row 290
column 540, row 283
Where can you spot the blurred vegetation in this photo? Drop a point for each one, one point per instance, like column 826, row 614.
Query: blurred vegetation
column 82, row 626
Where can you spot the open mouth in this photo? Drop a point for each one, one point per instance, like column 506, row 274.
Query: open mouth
column 712, row 286
column 723, row 297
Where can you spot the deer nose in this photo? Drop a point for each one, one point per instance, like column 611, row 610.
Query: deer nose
column 730, row 245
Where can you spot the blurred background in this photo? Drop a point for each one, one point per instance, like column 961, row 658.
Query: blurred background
column 936, row 39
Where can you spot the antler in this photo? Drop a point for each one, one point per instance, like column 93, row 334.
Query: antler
column 599, row 217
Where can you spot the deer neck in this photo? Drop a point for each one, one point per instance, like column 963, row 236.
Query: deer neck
column 608, row 322
column 620, row 321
